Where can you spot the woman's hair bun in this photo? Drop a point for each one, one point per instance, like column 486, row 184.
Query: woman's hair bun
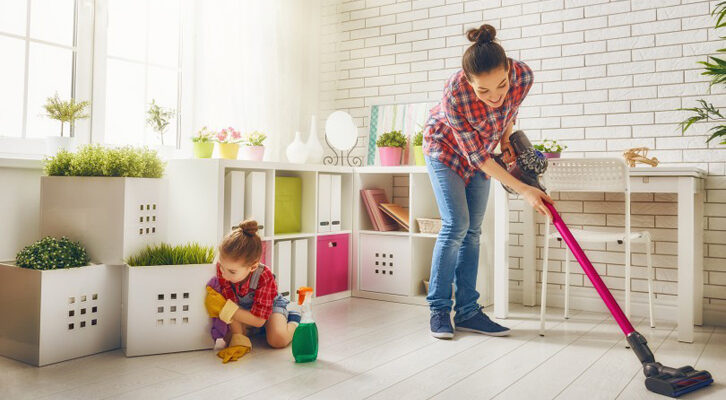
column 248, row 227
column 484, row 34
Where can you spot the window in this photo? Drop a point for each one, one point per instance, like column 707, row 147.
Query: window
column 142, row 56
column 37, row 41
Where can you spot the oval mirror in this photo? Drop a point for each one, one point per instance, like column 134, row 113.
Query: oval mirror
column 340, row 131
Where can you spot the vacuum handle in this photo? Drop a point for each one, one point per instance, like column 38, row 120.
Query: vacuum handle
column 590, row 271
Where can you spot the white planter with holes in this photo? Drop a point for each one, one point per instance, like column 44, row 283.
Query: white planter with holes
column 163, row 309
column 111, row 217
column 56, row 315
column 385, row 264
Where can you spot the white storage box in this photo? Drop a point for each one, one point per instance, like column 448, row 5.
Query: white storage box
column 56, row 315
column 163, row 309
column 385, row 264
column 112, row 217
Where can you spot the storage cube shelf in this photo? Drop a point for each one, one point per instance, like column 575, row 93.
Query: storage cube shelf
column 208, row 194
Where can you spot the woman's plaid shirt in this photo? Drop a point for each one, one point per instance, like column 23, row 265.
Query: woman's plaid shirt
column 462, row 131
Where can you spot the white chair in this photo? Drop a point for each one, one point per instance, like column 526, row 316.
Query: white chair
column 593, row 175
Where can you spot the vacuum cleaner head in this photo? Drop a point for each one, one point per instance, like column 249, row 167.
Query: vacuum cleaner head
column 677, row 382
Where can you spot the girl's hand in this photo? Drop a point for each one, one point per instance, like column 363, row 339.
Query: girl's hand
column 536, row 199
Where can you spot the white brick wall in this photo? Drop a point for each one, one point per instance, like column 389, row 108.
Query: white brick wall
column 609, row 75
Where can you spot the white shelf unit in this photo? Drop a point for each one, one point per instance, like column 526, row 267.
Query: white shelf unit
column 422, row 204
column 198, row 208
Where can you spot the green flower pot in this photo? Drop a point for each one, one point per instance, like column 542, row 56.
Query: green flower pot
column 419, row 155
column 203, row 149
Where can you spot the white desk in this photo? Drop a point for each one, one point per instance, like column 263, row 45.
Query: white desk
column 687, row 182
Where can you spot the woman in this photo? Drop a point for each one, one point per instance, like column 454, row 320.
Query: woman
column 477, row 111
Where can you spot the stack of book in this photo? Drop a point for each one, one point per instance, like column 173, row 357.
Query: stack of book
column 384, row 216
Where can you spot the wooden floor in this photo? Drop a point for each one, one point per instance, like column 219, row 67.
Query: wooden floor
column 379, row 350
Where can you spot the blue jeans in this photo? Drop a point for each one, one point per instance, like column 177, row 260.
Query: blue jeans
column 456, row 253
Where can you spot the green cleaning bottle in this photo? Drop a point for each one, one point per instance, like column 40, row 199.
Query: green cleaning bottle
column 305, row 339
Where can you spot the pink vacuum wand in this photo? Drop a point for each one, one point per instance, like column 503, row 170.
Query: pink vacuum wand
column 660, row 379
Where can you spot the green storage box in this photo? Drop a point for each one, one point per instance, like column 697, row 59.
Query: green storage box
column 288, row 204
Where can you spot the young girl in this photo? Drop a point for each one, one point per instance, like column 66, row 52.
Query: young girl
column 244, row 295
column 477, row 111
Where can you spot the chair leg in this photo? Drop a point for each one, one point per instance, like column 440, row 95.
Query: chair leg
column 567, row 283
column 545, row 259
column 648, row 249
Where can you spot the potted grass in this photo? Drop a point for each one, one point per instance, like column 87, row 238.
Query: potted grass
column 203, row 143
column 112, row 200
column 158, row 118
column 418, row 148
column 550, row 148
column 390, row 147
column 254, row 146
column 163, row 299
column 228, row 139
column 55, row 305
column 63, row 111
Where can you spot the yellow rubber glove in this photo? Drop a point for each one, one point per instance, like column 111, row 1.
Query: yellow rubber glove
column 219, row 307
column 239, row 345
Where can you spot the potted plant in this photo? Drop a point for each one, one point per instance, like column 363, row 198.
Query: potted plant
column 228, row 140
column 112, row 200
column 56, row 305
column 716, row 69
column 203, row 143
column 63, row 111
column 550, row 148
column 158, row 118
column 390, row 147
column 418, row 148
column 163, row 299
column 254, row 148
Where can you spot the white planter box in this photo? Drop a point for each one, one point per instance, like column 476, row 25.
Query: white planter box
column 163, row 309
column 56, row 315
column 111, row 217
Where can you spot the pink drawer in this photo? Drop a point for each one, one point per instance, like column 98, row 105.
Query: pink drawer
column 331, row 275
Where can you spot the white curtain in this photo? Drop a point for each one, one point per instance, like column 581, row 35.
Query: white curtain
column 256, row 67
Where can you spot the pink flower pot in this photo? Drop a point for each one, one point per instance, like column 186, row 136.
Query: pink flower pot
column 552, row 155
column 390, row 156
column 253, row 153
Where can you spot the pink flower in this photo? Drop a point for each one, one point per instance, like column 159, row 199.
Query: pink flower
column 236, row 135
column 222, row 136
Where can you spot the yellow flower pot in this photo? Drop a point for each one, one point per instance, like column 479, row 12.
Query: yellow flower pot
column 228, row 150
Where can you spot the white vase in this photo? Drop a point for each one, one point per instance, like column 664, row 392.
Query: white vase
column 315, row 149
column 54, row 144
column 297, row 152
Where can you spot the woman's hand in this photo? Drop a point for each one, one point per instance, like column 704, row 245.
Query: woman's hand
column 536, row 199
column 505, row 146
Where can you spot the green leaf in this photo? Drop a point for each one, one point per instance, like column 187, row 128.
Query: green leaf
column 51, row 253
column 95, row 160
column 166, row 254
column 391, row 139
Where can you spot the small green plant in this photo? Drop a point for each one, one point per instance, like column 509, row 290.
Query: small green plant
column 158, row 118
column 95, row 160
column 52, row 253
column 550, row 146
column 255, row 138
column 204, row 135
column 166, row 254
column 391, row 139
column 65, row 110
column 418, row 139
column 716, row 69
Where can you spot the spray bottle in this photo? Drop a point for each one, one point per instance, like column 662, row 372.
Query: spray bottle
column 305, row 339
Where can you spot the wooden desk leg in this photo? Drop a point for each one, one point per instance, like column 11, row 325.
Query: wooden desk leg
column 686, row 259
column 529, row 257
column 501, row 251
column 698, row 262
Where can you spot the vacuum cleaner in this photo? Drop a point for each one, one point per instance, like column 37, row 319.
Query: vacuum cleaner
column 673, row 382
